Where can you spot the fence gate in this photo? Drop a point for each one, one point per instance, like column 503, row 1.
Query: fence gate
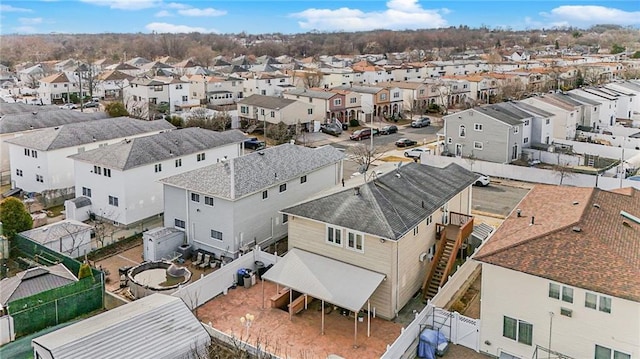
column 457, row 328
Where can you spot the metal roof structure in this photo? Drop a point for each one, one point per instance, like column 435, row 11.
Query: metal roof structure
column 158, row 326
column 327, row 279
column 34, row 281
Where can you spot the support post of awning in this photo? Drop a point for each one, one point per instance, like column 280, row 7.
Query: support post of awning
column 355, row 330
column 262, row 280
column 368, row 318
column 322, row 330
column 290, row 300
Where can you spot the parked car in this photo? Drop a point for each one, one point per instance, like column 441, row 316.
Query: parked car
column 415, row 152
column 387, row 130
column 331, row 129
column 425, row 121
column 405, row 142
column 254, row 144
column 483, row 180
column 68, row 106
column 91, row 104
column 364, row 133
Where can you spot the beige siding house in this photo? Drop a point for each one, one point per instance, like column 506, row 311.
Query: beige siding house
column 387, row 226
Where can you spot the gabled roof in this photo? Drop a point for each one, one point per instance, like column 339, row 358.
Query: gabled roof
column 54, row 231
column 140, row 151
column 269, row 102
column 244, row 175
column 325, row 95
column 362, row 89
column 501, row 115
column 583, row 99
column 155, row 65
column 138, row 61
column 391, row 205
column 114, row 75
column 34, row 281
column 41, row 117
column 532, row 109
column 158, row 326
column 580, row 237
column 123, row 66
column 56, row 78
column 88, row 132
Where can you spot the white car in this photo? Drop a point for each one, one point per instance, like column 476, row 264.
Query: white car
column 483, row 180
column 415, row 152
column 68, row 106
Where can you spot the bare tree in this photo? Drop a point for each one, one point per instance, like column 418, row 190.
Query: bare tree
column 312, row 78
column 364, row 155
column 279, row 133
column 563, row 171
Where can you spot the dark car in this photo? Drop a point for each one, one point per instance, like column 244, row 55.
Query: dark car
column 387, row 130
column 360, row 135
column 91, row 104
column 405, row 142
column 425, row 121
column 254, row 144
column 331, row 129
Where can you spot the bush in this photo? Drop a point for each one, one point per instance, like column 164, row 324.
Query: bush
column 354, row 123
column 116, row 109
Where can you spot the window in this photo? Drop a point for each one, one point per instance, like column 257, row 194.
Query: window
column 179, row 162
column 449, row 140
column 355, row 241
column 179, row 87
column 34, row 153
column 303, row 179
column 518, row 330
column 27, row 152
column 526, row 140
column 200, row 157
column 39, row 178
column 477, row 145
column 107, row 172
column 396, row 94
column 283, row 187
column 208, row 201
column 462, row 131
column 429, row 220
column 516, row 130
column 353, row 100
column 590, row 300
column 554, row 291
column 113, row 201
column 265, row 194
column 416, row 229
column 19, row 172
column 185, row 98
column 526, row 122
column 334, row 236
column 272, row 114
column 86, row 192
column 547, row 121
column 178, row 223
column 158, row 167
column 567, row 294
column 310, row 111
column 337, row 102
column 216, row 234
column 383, row 96
column 285, row 218
column 97, row 170
column 244, row 109
column 195, row 197
column 605, row 304
column 477, row 127
column 606, row 353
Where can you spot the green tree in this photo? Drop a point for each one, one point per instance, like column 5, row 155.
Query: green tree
column 557, row 45
column 616, row 49
column 14, row 217
column 84, row 271
column 116, row 109
column 636, row 55
column 279, row 133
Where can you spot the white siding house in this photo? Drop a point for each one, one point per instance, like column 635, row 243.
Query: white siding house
column 39, row 160
column 562, row 274
column 68, row 237
column 121, row 180
column 234, row 204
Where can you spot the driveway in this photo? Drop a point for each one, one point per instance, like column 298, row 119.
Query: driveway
column 498, row 199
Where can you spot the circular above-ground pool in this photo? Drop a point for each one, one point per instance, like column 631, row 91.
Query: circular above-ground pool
column 156, row 277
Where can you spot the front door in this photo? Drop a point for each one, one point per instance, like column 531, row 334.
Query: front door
column 514, row 153
column 458, row 150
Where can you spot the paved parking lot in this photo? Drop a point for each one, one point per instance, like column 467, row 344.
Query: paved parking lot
column 498, row 198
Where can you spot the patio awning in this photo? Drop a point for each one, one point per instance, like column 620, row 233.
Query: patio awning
column 327, row 279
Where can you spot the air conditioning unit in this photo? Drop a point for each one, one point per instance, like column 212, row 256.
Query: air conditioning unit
column 566, row 312
column 423, row 256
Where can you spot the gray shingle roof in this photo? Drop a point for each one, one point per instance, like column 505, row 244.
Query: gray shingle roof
column 391, row 205
column 498, row 114
column 140, row 151
column 55, row 231
column 266, row 101
column 312, row 93
column 361, row 89
column 532, row 109
column 257, row 171
column 22, row 117
column 76, row 134
column 34, row 281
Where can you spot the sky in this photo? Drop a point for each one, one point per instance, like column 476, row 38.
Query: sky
column 299, row 16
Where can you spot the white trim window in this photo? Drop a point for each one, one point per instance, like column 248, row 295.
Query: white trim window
column 477, row 145
column 607, row 353
column 178, row 223
column 334, row 236
column 216, row 235
column 195, row 197
column 518, row 330
column 557, row 291
column 208, row 201
column 462, row 131
column 113, row 201
column 516, row 129
column 355, row 241
column 477, row 127
column 595, row 301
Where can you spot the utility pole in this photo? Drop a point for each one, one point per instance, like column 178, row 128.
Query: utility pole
column 80, row 82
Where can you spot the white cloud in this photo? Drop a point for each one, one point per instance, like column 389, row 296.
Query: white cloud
column 399, row 15
column 125, row 4
column 9, row 8
column 175, row 5
column 30, row 20
column 587, row 15
column 163, row 27
column 202, row 12
column 25, row 30
column 163, row 13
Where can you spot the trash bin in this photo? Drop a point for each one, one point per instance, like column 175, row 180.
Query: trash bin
column 247, row 280
column 241, row 273
column 260, row 268
column 345, row 126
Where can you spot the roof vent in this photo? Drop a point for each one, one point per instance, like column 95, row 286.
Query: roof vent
column 576, row 229
column 34, row 113
column 575, row 203
column 261, row 153
column 596, row 205
column 356, row 191
column 56, row 128
column 630, row 216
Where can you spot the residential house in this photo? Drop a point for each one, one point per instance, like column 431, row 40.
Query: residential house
column 608, row 108
column 31, row 75
column 541, row 126
column 261, row 109
column 126, row 68
column 561, row 274
column 628, row 92
column 221, row 91
column 371, row 74
column 392, row 106
column 121, row 180
column 339, row 77
column 20, row 119
column 566, row 113
column 407, row 72
column 68, row 237
column 397, row 225
column 133, row 331
column 265, row 83
column 147, row 97
column 518, row 56
column 490, row 133
column 110, row 84
column 374, row 101
column 459, row 91
column 233, row 205
column 482, row 88
column 57, row 88
column 39, row 160
column 589, row 111
column 352, row 104
column 330, row 104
